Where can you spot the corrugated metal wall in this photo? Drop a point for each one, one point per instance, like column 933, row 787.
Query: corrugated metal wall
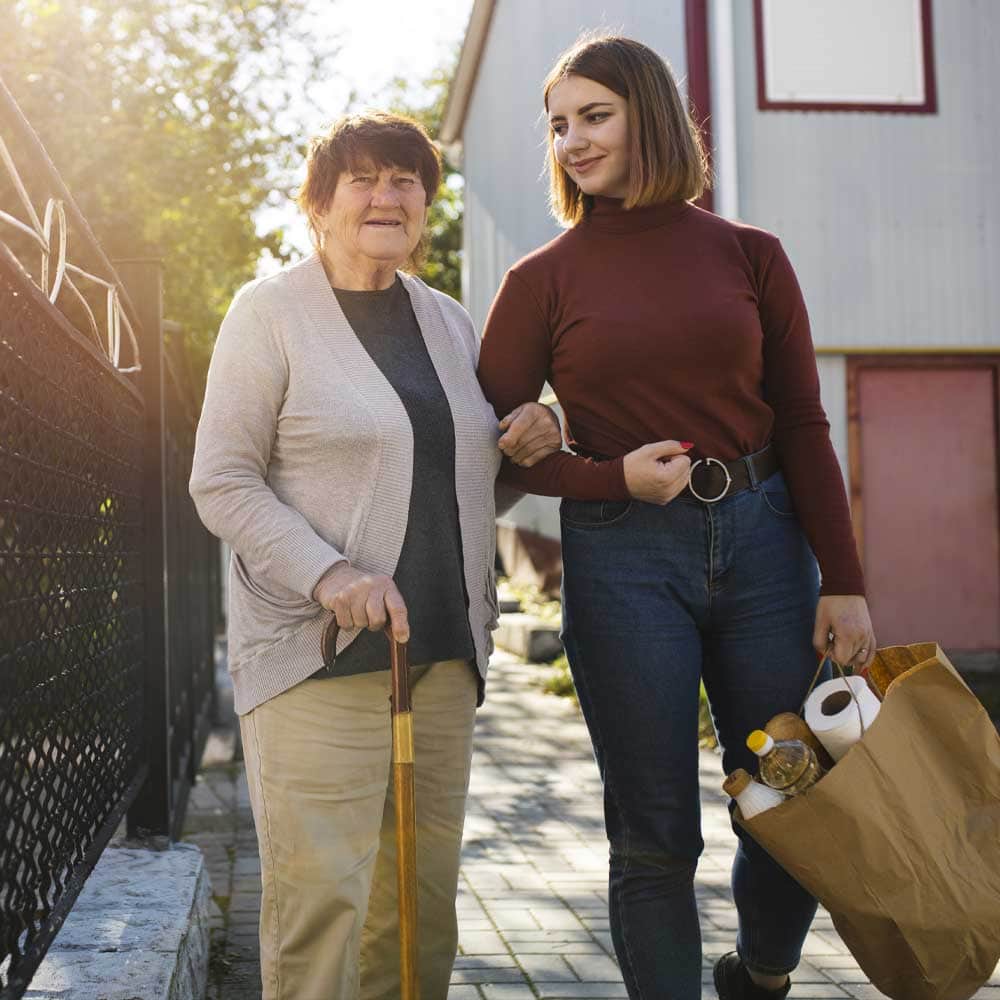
column 891, row 220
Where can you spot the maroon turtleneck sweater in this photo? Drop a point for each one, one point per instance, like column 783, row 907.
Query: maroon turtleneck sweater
column 668, row 322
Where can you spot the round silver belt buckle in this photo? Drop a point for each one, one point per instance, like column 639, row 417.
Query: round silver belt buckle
column 725, row 489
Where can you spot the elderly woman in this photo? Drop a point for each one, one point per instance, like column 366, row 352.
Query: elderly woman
column 347, row 455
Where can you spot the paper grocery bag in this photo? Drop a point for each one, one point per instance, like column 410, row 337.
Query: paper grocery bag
column 900, row 841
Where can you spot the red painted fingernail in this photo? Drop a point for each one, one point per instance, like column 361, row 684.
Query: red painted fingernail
column 687, row 444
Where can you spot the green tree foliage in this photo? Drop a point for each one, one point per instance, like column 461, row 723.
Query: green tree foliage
column 426, row 104
column 168, row 123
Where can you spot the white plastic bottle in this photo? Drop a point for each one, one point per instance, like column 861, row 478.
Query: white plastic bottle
column 751, row 796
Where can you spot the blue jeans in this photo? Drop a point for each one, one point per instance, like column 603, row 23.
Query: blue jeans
column 654, row 599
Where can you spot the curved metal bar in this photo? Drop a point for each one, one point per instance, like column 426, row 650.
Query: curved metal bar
column 114, row 326
column 22, row 192
column 90, row 313
column 26, row 229
column 61, row 203
column 116, row 314
column 57, row 206
column 81, row 273
column 123, row 316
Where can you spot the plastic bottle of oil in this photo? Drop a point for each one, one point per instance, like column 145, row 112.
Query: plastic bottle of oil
column 790, row 766
column 751, row 796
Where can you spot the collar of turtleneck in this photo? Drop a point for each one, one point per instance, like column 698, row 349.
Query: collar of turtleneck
column 608, row 216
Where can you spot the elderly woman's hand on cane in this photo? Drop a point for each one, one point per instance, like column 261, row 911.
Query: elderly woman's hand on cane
column 363, row 600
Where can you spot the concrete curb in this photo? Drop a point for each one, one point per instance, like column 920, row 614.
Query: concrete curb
column 528, row 637
column 138, row 931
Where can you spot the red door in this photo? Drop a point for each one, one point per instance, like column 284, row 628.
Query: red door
column 925, row 472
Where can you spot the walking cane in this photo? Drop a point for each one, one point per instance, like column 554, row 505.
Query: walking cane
column 402, row 783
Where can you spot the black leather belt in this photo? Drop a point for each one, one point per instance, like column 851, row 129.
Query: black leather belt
column 712, row 479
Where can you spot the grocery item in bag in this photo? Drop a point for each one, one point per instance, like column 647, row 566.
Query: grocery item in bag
column 901, row 840
column 839, row 711
column 751, row 796
column 789, row 726
column 787, row 765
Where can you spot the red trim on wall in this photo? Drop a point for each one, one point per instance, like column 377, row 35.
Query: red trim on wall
column 930, row 77
column 699, row 79
column 929, row 106
column 758, row 48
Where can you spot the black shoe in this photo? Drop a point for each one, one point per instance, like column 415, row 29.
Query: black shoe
column 733, row 982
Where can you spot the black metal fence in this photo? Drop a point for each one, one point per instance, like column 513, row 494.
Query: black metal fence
column 71, row 597
column 193, row 587
column 109, row 588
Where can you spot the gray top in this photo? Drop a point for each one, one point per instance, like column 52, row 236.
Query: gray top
column 429, row 573
column 304, row 457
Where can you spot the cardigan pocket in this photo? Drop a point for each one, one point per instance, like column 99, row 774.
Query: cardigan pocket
column 260, row 619
column 275, row 594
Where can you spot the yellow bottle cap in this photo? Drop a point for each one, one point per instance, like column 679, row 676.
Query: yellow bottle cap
column 758, row 740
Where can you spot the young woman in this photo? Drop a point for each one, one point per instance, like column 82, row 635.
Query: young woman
column 702, row 494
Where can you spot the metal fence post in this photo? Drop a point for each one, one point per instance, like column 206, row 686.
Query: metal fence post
column 151, row 813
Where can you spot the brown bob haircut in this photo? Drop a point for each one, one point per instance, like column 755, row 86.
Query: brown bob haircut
column 355, row 142
column 666, row 154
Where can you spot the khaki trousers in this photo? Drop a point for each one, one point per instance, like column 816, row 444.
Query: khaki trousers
column 318, row 760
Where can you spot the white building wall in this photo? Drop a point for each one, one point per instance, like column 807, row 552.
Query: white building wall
column 892, row 221
column 833, row 390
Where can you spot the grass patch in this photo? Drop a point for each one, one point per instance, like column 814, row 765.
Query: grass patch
column 560, row 680
column 706, row 731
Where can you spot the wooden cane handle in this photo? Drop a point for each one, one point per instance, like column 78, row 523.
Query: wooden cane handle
column 398, row 660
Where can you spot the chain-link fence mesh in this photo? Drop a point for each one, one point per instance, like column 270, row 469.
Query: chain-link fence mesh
column 71, row 608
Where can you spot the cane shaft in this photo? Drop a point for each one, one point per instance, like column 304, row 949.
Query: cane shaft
column 402, row 738
column 406, row 878
column 402, row 783
column 406, row 824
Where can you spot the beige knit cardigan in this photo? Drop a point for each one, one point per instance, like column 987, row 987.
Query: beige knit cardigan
column 304, row 457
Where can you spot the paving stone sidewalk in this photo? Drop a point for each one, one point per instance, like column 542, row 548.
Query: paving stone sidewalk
column 533, row 898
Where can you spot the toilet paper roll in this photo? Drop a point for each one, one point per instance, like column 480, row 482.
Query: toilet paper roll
column 832, row 714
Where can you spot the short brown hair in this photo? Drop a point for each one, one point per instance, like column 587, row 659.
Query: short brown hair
column 666, row 156
column 380, row 138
